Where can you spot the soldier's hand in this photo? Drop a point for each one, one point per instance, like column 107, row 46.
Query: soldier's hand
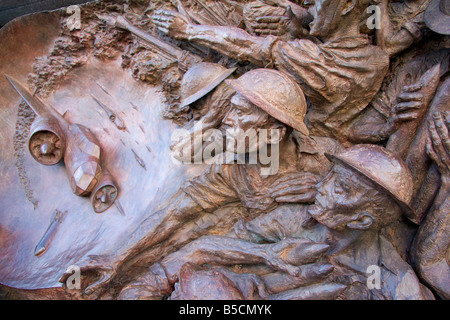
column 97, row 267
column 298, row 258
column 265, row 18
column 438, row 145
column 295, row 187
column 410, row 103
column 171, row 23
column 293, row 21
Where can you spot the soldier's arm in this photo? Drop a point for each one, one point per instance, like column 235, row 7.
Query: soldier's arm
column 187, row 205
column 230, row 41
column 294, row 256
column 158, row 227
column 432, row 245
column 373, row 126
column 201, row 194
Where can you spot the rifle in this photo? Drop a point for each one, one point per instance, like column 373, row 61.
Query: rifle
column 169, row 51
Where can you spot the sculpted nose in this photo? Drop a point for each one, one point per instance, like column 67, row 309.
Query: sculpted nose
column 230, row 119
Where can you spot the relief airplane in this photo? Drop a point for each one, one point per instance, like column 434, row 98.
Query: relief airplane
column 54, row 138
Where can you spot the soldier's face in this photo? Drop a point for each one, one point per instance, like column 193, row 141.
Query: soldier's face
column 244, row 115
column 340, row 198
column 244, row 121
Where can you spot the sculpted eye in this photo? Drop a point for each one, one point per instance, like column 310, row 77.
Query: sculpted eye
column 341, row 185
column 345, row 185
column 338, row 187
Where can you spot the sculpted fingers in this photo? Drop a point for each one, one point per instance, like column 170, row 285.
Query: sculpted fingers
column 435, row 137
column 298, row 251
column 161, row 23
column 164, row 28
column 413, row 87
column 430, row 151
column 161, row 17
column 296, row 187
column 442, row 130
column 406, row 111
column 94, row 267
column 305, row 253
column 410, row 103
column 170, row 22
column 314, row 272
column 410, row 96
column 438, row 146
column 105, row 276
column 270, row 20
column 165, row 13
column 268, row 25
column 407, row 106
column 265, row 32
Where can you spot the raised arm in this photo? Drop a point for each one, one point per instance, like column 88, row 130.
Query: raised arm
column 230, row 41
column 372, row 127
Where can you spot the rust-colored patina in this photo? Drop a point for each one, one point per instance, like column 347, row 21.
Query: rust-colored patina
column 123, row 176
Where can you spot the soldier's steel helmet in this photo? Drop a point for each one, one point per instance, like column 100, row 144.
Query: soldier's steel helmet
column 276, row 93
column 437, row 16
column 384, row 168
column 201, row 79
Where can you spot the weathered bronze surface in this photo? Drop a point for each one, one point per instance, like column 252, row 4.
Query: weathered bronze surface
column 204, row 149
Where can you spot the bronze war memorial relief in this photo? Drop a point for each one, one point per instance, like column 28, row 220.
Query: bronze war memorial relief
column 226, row 150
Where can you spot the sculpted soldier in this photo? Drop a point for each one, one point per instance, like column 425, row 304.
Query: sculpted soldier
column 257, row 106
column 368, row 189
column 300, row 152
column 259, row 187
column 277, row 208
column 339, row 76
column 402, row 23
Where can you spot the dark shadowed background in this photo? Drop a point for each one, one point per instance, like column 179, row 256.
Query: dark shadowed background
column 10, row 9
